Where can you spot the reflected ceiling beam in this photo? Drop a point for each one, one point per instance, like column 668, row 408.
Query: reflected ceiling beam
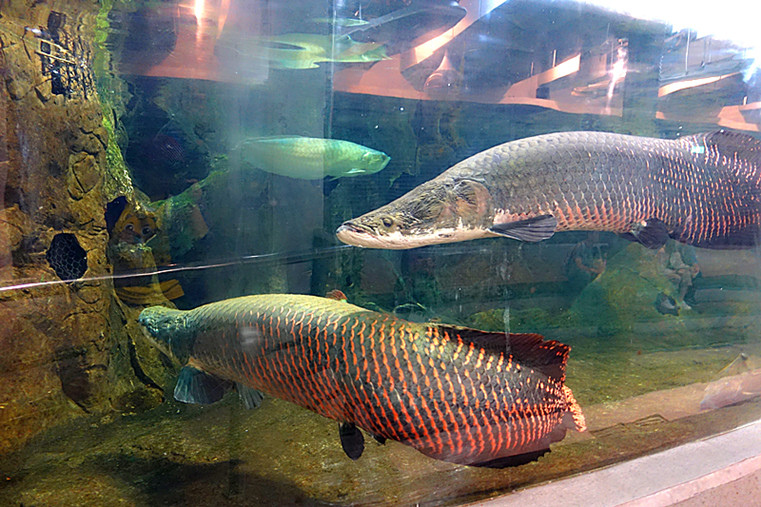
column 730, row 116
column 198, row 25
column 385, row 79
column 691, row 83
column 475, row 10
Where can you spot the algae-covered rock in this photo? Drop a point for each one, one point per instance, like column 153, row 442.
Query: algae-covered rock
column 64, row 354
column 624, row 299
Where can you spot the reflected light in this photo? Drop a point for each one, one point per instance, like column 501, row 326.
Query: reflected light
column 563, row 69
column 618, row 72
column 476, row 9
column 730, row 116
column 692, row 83
column 198, row 10
column 732, row 20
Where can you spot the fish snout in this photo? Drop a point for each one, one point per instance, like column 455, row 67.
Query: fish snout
column 350, row 234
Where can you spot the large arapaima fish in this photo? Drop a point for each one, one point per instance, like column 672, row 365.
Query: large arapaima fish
column 455, row 394
column 703, row 190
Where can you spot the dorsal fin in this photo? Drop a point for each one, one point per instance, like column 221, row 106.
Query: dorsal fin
column 735, row 142
column 337, row 294
column 728, row 143
column 528, row 349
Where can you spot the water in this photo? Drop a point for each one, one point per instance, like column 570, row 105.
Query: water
column 120, row 137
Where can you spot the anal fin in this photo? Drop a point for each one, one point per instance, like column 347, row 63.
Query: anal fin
column 197, row 386
column 352, row 440
column 532, row 229
column 513, row 461
column 250, row 397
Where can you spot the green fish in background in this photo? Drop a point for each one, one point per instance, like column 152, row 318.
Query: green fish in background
column 344, row 22
column 311, row 158
column 306, row 50
column 302, row 50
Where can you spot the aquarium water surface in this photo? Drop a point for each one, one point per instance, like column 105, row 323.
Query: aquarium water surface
column 370, row 252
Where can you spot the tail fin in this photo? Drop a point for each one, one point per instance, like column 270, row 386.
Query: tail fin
column 169, row 331
column 576, row 417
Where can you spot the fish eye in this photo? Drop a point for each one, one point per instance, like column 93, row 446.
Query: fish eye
column 147, row 231
column 129, row 227
column 387, row 222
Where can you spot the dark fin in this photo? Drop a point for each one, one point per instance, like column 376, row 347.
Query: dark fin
column 352, row 440
column 337, row 295
column 730, row 144
column 512, row 461
column 651, row 234
column 381, row 440
column 250, row 397
column 196, row 386
column 532, row 229
column 329, row 184
column 532, row 350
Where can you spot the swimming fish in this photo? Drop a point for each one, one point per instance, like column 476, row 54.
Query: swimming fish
column 703, row 190
column 306, row 50
column 291, row 51
column 343, row 22
column 311, row 158
column 731, row 390
column 455, row 394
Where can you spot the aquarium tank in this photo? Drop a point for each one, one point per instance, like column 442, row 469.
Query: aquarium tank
column 370, row 251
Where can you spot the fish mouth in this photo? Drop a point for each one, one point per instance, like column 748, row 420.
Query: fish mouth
column 351, row 234
column 355, row 234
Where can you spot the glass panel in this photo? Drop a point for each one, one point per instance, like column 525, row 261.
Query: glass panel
column 519, row 237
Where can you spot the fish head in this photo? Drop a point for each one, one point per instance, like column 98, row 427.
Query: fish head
column 373, row 161
column 167, row 330
column 358, row 161
column 439, row 211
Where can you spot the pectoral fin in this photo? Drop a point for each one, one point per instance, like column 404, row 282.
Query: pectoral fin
column 197, row 386
column 532, row 229
column 250, row 397
column 352, row 441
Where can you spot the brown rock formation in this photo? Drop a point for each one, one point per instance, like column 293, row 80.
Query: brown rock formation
column 63, row 348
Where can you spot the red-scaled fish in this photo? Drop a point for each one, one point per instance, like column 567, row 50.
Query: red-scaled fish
column 703, row 189
column 455, row 394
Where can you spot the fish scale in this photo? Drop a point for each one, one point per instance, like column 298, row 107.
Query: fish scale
column 455, row 394
column 703, row 189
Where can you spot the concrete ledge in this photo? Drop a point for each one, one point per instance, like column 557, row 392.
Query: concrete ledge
column 664, row 478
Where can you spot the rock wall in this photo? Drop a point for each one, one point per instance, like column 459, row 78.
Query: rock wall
column 63, row 344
